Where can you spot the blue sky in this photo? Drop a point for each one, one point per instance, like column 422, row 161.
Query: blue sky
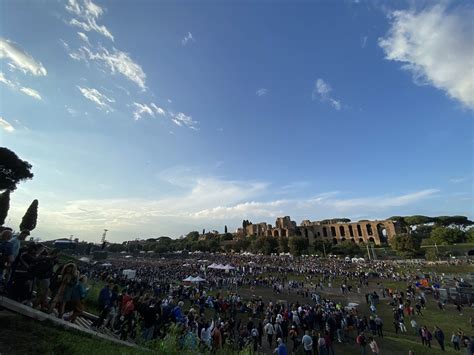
column 157, row 118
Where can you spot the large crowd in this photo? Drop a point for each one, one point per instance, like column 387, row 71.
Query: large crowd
column 226, row 310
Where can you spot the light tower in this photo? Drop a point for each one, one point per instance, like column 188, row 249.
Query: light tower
column 103, row 235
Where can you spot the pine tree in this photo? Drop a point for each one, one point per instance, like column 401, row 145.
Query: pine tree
column 29, row 219
column 225, row 229
column 4, row 206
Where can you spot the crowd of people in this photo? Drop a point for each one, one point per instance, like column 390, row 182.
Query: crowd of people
column 223, row 311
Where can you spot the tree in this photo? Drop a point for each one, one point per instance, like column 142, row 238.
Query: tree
column 417, row 220
column 406, row 244
column 458, row 221
column 29, row 219
column 470, row 235
column 431, row 254
column 347, row 248
column 12, row 170
column 447, row 235
column 225, row 229
column 4, row 206
column 283, row 245
column 298, row 245
column 193, row 236
column 422, row 232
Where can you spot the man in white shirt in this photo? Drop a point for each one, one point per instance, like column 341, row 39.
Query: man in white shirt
column 270, row 330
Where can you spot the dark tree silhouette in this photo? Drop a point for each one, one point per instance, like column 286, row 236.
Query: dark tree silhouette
column 29, row 219
column 4, row 206
column 225, row 229
column 12, row 169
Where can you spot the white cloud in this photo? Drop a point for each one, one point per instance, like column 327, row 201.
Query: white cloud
column 6, row 125
column 102, row 102
column 187, row 38
column 158, row 109
column 261, row 92
column 436, row 46
column 141, row 109
column 116, row 61
column 322, row 91
column 459, row 180
column 84, row 37
column 16, row 86
column 181, row 119
column 363, row 41
column 31, row 92
column 88, row 13
column 19, row 59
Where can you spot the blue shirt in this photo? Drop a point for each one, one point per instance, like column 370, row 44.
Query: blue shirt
column 15, row 246
column 282, row 349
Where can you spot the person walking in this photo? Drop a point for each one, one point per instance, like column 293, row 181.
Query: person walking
column 374, row 346
column 269, row 330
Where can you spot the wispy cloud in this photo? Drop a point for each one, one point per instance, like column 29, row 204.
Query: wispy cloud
column 181, row 119
column 322, row 91
column 140, row 110
column 31, row 92
column 188, row 38
column 84, row 37
column 18, row 59
column 87, row 14
column 261, row 92
column 435, row 45
column 6, row 125
column 102, row 101
column 158, row 109
column 459, row 180
column 116, row 61
column 363, row 41
column 16, row 86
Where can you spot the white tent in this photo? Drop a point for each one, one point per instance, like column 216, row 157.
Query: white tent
column 212, row 266
column 228, row 267
column 189, row 279
column 106, row 265
column 220, row 267
column 129, row 274
column 198, row 279
column 85, row 260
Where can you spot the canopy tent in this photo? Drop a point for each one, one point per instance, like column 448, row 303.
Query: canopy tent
column 212, row 266
column 85, row 260
column 106, row 265
column 199, row 279
column 189, row 279
column 228, row 267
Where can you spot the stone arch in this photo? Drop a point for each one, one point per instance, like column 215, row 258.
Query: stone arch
column 368, row 226
column 343, row 240
column 359, row 230
column 333, row 231
column 275, row 233
column 284, row 233
column 361, row 240
column 382, row 232
column 353, row 240
column 306, row 233
column 342, row 231
column 325, row 232
column 334, row 241
column 298, row 232
column 371, row 240
column 351, row 231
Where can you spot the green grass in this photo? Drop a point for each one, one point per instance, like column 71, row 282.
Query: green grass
column 25, row 336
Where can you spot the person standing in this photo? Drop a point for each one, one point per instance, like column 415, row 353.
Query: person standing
column 455, row 340
column 439, row 336
column 307, row 343
column 281, row 349
column 362, row 342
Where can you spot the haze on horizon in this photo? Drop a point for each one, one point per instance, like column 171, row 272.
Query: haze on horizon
column 159, row 118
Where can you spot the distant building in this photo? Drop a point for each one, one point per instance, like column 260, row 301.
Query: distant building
column 366, row 231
